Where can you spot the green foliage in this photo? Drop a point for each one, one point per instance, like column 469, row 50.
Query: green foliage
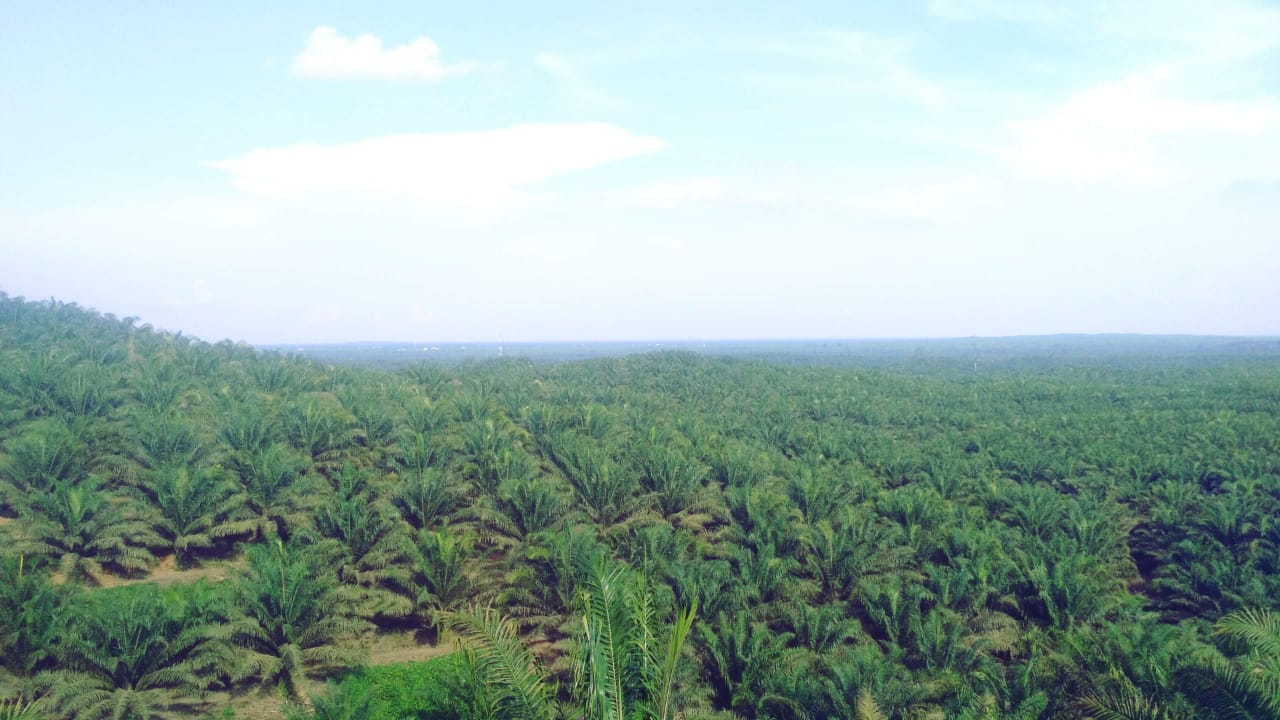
column 195, row 509
column 19, row 707
column 83, row 527
column 1246, row 687
column 33, row 613
column 433, row 690
column 295, row 616
column 133, row 652
column 624, row 667
column 508, row 681
column 862, row 537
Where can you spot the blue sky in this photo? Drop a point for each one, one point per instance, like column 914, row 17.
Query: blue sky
column 453, row 172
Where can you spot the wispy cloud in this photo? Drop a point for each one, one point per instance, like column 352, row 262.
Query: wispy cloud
column 1219, row 31
column 865, row 62
column 1007, row 10
column 330, row 55
column 1138, row 128
column 573, row 82
column 472, row 169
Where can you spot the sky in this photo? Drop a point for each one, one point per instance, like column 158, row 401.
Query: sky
column 453, row 172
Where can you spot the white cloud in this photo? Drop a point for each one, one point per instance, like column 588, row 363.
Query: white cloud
column 1200, row 32
column 469, row 169
column 1137, row 129
column 329, row 55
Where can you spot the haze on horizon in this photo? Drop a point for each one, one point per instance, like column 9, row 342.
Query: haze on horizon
column 406, row 172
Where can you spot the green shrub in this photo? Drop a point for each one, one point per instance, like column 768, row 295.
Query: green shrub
column 430, row 690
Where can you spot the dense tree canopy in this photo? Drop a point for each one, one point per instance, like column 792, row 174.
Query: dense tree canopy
column 642, row 536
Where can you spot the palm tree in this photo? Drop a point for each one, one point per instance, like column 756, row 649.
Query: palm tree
column 340, row 702
column 367, row 539
column 425, row 497
column 1246, row 687
column 166, row 439
column 195, row 509
column 605, row 490
column 523, row 507
column 320, row 427
column 442, row 573
column 19, row 707
column 46, row 452
column 33, row 612
column 740, row 660
column 674, row 477
column 32, row 378
column 375, row 420
column 83, row 528
column 510, row 683
column 492, row 454
column 85, row 391
column 818, row 492
column 158, row 383
column 295, row 617
column 134, row 652
column 248, row 426
column 276, row 492
column 857, row 547
column 624, row 667
column 542, row 588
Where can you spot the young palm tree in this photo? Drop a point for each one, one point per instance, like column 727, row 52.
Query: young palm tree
column 19, row 707
column 741, row 660
column 248, row 426
column 607, row 493
column 46, row 452
column 426, row 497
column 523, row 507
column 441, row 563
column 624, row 668
column 857, row 547
column 510, row 683
column 673, row 475
column 84, row 528
column 368, row 540
column 32, row 609
column 295, row 617
column 339, row 703
column 164, row 438
column 195, row 509
column 320, row 427
column 135, row 652
column 276, row 492
column 542, row 588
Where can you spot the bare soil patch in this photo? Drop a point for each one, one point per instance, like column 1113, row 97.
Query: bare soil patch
column 404, row 647
column 166, row 573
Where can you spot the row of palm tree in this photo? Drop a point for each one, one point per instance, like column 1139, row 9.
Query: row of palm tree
column 1032, row 541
